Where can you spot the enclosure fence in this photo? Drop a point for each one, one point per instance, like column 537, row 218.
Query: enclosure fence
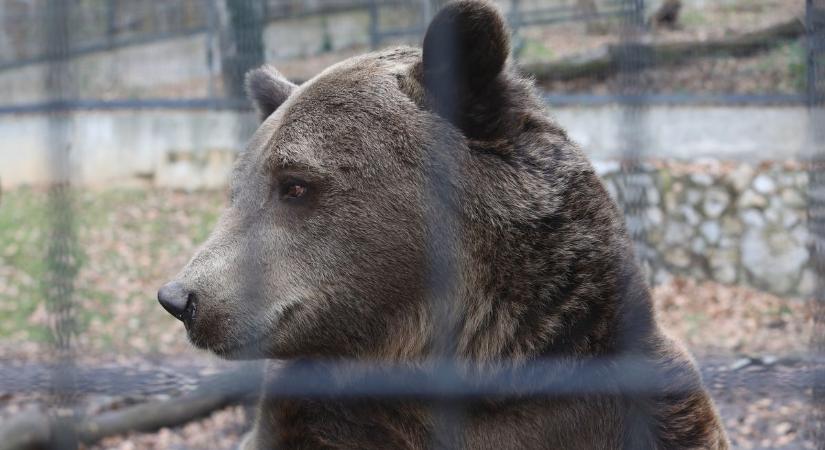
column 223, row 40
column 444, row 380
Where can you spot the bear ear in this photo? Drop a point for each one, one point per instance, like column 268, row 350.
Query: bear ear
column 267, row 89
column 465, row 48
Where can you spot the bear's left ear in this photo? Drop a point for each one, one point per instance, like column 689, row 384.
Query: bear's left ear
column 465, row 50
column 267, row 89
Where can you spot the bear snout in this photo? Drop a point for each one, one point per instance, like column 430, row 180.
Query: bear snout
column 178, row 301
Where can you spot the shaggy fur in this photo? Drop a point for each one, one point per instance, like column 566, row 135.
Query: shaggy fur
column 442, row 214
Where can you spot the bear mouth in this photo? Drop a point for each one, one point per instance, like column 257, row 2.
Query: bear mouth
column 243, row 348
column 248, row 349
column 190, row 312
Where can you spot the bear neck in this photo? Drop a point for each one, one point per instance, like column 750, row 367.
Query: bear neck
column 551, row 267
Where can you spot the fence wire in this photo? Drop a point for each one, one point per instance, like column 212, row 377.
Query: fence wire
column 815, row 25
column 62, row 255
column 220, row 40
column 239, row 47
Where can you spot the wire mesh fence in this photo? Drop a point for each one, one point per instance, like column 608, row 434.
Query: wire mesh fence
column 64, row 58
column 725, row 53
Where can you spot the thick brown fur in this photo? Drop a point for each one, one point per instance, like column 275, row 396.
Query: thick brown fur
column 445, row 214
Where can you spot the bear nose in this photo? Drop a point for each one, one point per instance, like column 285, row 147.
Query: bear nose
column 176, row 300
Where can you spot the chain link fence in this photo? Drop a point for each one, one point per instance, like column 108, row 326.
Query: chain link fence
column 721, row 54
column 61, row 58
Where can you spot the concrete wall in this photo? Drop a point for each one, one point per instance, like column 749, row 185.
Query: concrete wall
column 184, row 149
column 691, row 132
column 181, row 67
column 171, row 68
column 108, row 146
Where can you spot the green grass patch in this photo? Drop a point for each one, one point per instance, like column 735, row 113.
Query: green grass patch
column 533, row 50
column 111, row 237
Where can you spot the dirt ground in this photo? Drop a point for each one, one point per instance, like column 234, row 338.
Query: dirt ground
column 129, row 241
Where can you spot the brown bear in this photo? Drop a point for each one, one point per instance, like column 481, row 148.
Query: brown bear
column 411, row 205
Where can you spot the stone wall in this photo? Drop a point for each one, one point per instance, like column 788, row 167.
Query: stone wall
column 735, row 223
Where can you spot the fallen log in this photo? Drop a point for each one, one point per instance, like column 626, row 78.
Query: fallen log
column 35, row 430
column 605, row 62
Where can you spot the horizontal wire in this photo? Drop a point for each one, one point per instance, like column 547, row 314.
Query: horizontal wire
column 433, row 379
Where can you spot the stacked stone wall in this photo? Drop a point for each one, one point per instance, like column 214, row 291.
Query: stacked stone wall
column 735, row 223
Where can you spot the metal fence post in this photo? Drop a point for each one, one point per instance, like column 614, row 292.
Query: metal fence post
column 815, row 29
column 242, row 46
column 635, row 180
column 375, row 39
column 61, row 253
column 211, row 19
column 111, row 20
column 426, row 13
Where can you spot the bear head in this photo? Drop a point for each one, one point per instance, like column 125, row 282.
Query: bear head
column 400, row 204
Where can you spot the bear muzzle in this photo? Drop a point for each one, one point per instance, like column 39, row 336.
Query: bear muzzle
column 178, row 301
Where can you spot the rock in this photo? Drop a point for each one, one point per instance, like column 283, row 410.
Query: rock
column 731, row 226
column 690, row 215
column 775, row 212
column 725, row 273
column 698, row 271
column 728, row 242
column 741, row 177
column 791, row 197
column 711, row 231
column 655, row 216
column 753, row 218
column 678, row 257
column 745, row 224
column 791, row 219
column 698, row 245
column 677, row 234
column 786, row 180
column 677, row 187
column 764, row 184
column 716, row 201
column 653, row 196
column 773, row 258
column 750, row 199
column 723, row 265
column 693, row 196
column 800, row 235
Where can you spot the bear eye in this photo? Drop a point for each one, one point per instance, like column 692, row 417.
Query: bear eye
column 293, row 189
